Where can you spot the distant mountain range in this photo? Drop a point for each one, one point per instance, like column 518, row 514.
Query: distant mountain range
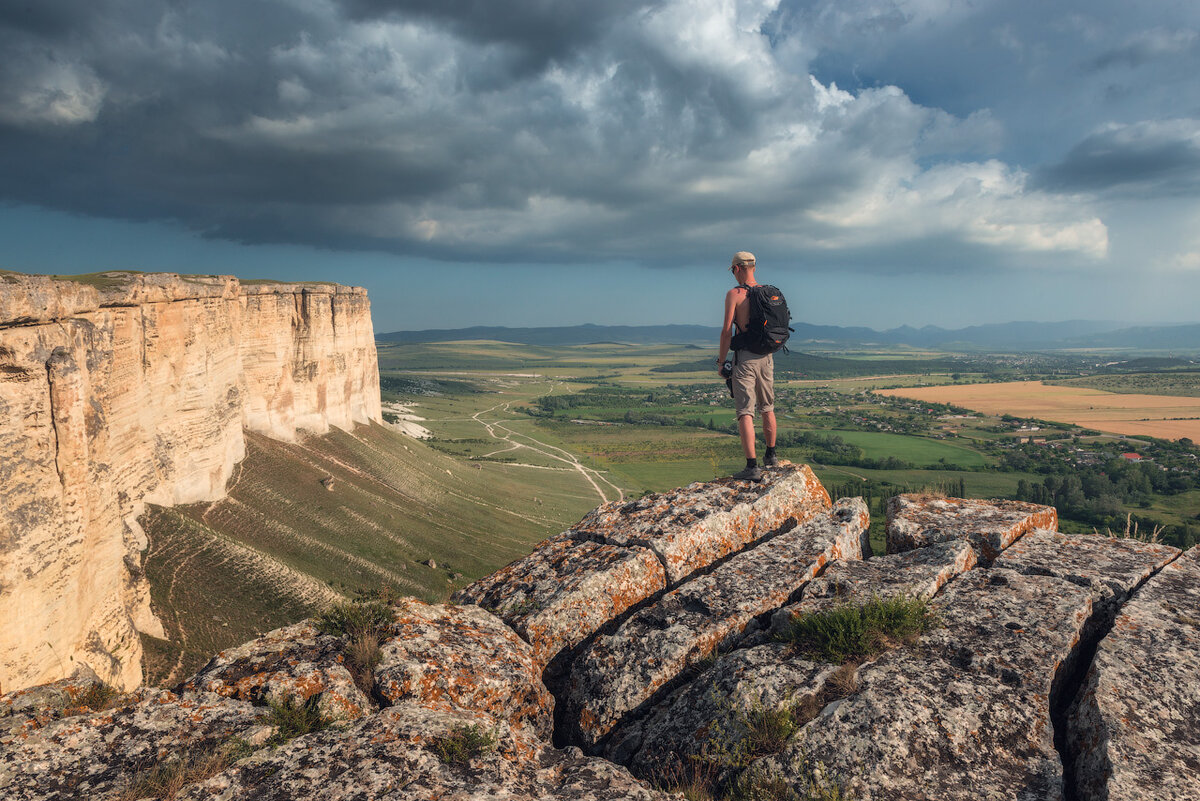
column 998, row 336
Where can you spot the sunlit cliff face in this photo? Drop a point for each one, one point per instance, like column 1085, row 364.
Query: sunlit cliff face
column 136, row 388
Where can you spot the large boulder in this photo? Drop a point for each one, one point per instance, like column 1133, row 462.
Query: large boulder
column 623, row 553
column 692, row 527
column 566, row 590
column 293, row 663
column 463, row 658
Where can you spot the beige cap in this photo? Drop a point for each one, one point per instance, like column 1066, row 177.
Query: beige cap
column 743, row 256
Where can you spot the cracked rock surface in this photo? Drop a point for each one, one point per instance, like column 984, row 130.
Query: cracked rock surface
column 915, row 521
column 1136, row 725
column 462, row 657
column 97, row 754
column 621, row 671
column 1058, row 667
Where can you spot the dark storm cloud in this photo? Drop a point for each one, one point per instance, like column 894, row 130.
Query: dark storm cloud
column 541, row 30
column 1153, row 159
column 543, row 130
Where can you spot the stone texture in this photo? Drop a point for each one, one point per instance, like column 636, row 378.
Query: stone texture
column 620, row 672
column 1108, row 566
column 919, row 573
column 393, row 755
column 96, row 755
column 133, row 389
column 914, row 521
column 692, row 527
column 706, row 715
column 34, row 707
column 965, row 714
column 462, row 657
column 1135, row 727
column 295, row 662
column 566, row 590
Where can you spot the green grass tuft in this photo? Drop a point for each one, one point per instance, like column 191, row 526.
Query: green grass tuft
column 292, row 718
column 860, row 632
column 355, row 619
column 463, row 744
column 96, row 697
column 165, row 779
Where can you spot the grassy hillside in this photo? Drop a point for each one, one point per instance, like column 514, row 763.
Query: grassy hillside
column 282, row 546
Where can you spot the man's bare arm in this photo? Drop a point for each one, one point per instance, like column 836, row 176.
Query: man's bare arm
column 731, row 299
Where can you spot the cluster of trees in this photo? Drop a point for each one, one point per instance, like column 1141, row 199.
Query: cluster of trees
column 1098, row 496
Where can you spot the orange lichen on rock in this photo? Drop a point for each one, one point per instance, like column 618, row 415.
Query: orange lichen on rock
column 463, row 658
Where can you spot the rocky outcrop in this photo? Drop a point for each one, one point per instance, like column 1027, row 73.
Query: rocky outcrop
column 620, row 672
column 122, row 389
column 915, row 521
column 623, row 553
column 1134, row 730
column 1028, row 678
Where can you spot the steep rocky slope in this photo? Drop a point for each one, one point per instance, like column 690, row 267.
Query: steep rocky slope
column 654, row 646
column 124, row 389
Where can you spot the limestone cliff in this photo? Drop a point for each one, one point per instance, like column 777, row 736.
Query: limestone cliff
column 122, row 389
column 653, row 649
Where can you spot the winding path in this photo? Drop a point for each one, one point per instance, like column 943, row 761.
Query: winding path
column 591, row 475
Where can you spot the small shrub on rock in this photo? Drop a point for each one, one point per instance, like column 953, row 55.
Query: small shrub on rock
column 97, row 697
column 292, row 719
column 463, row 744
column 364, row 624
column 858, row 633
column 165, row 779
column 358, row 617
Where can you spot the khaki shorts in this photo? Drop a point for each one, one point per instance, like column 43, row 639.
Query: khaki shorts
column 753, row 383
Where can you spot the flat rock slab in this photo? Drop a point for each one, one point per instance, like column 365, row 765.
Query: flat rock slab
column 462, row 657
column 1109, row 566
column 619, row 672
column 706, row 716
column 964, row 714
column 393, row 755
column 566, row 590
column 1135, row 727
column 692, row 527
column 95, row 754
column 919, row 573
column 915, row 521
column 295, row 662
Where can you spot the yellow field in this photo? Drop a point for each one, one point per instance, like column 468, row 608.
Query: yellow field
column 1168, row 417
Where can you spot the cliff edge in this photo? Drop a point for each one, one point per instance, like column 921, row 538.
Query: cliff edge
column 703, row 642
column 121, row 389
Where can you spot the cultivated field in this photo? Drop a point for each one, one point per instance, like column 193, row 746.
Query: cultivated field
column 1166, row 417
column 528, row 439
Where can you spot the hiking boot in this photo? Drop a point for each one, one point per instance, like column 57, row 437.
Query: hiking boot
column 749, row 474
column 770, row 460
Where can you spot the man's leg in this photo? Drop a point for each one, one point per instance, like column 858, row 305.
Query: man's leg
column 746, row 432
column 769, row 428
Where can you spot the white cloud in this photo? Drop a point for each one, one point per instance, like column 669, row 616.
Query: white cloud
column 661, row 132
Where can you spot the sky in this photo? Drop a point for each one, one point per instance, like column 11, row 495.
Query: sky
column 543, row 162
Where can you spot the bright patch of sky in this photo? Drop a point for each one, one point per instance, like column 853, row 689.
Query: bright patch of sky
column 544, row 162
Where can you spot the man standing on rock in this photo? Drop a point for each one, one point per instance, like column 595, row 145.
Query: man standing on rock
column 753, row 378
